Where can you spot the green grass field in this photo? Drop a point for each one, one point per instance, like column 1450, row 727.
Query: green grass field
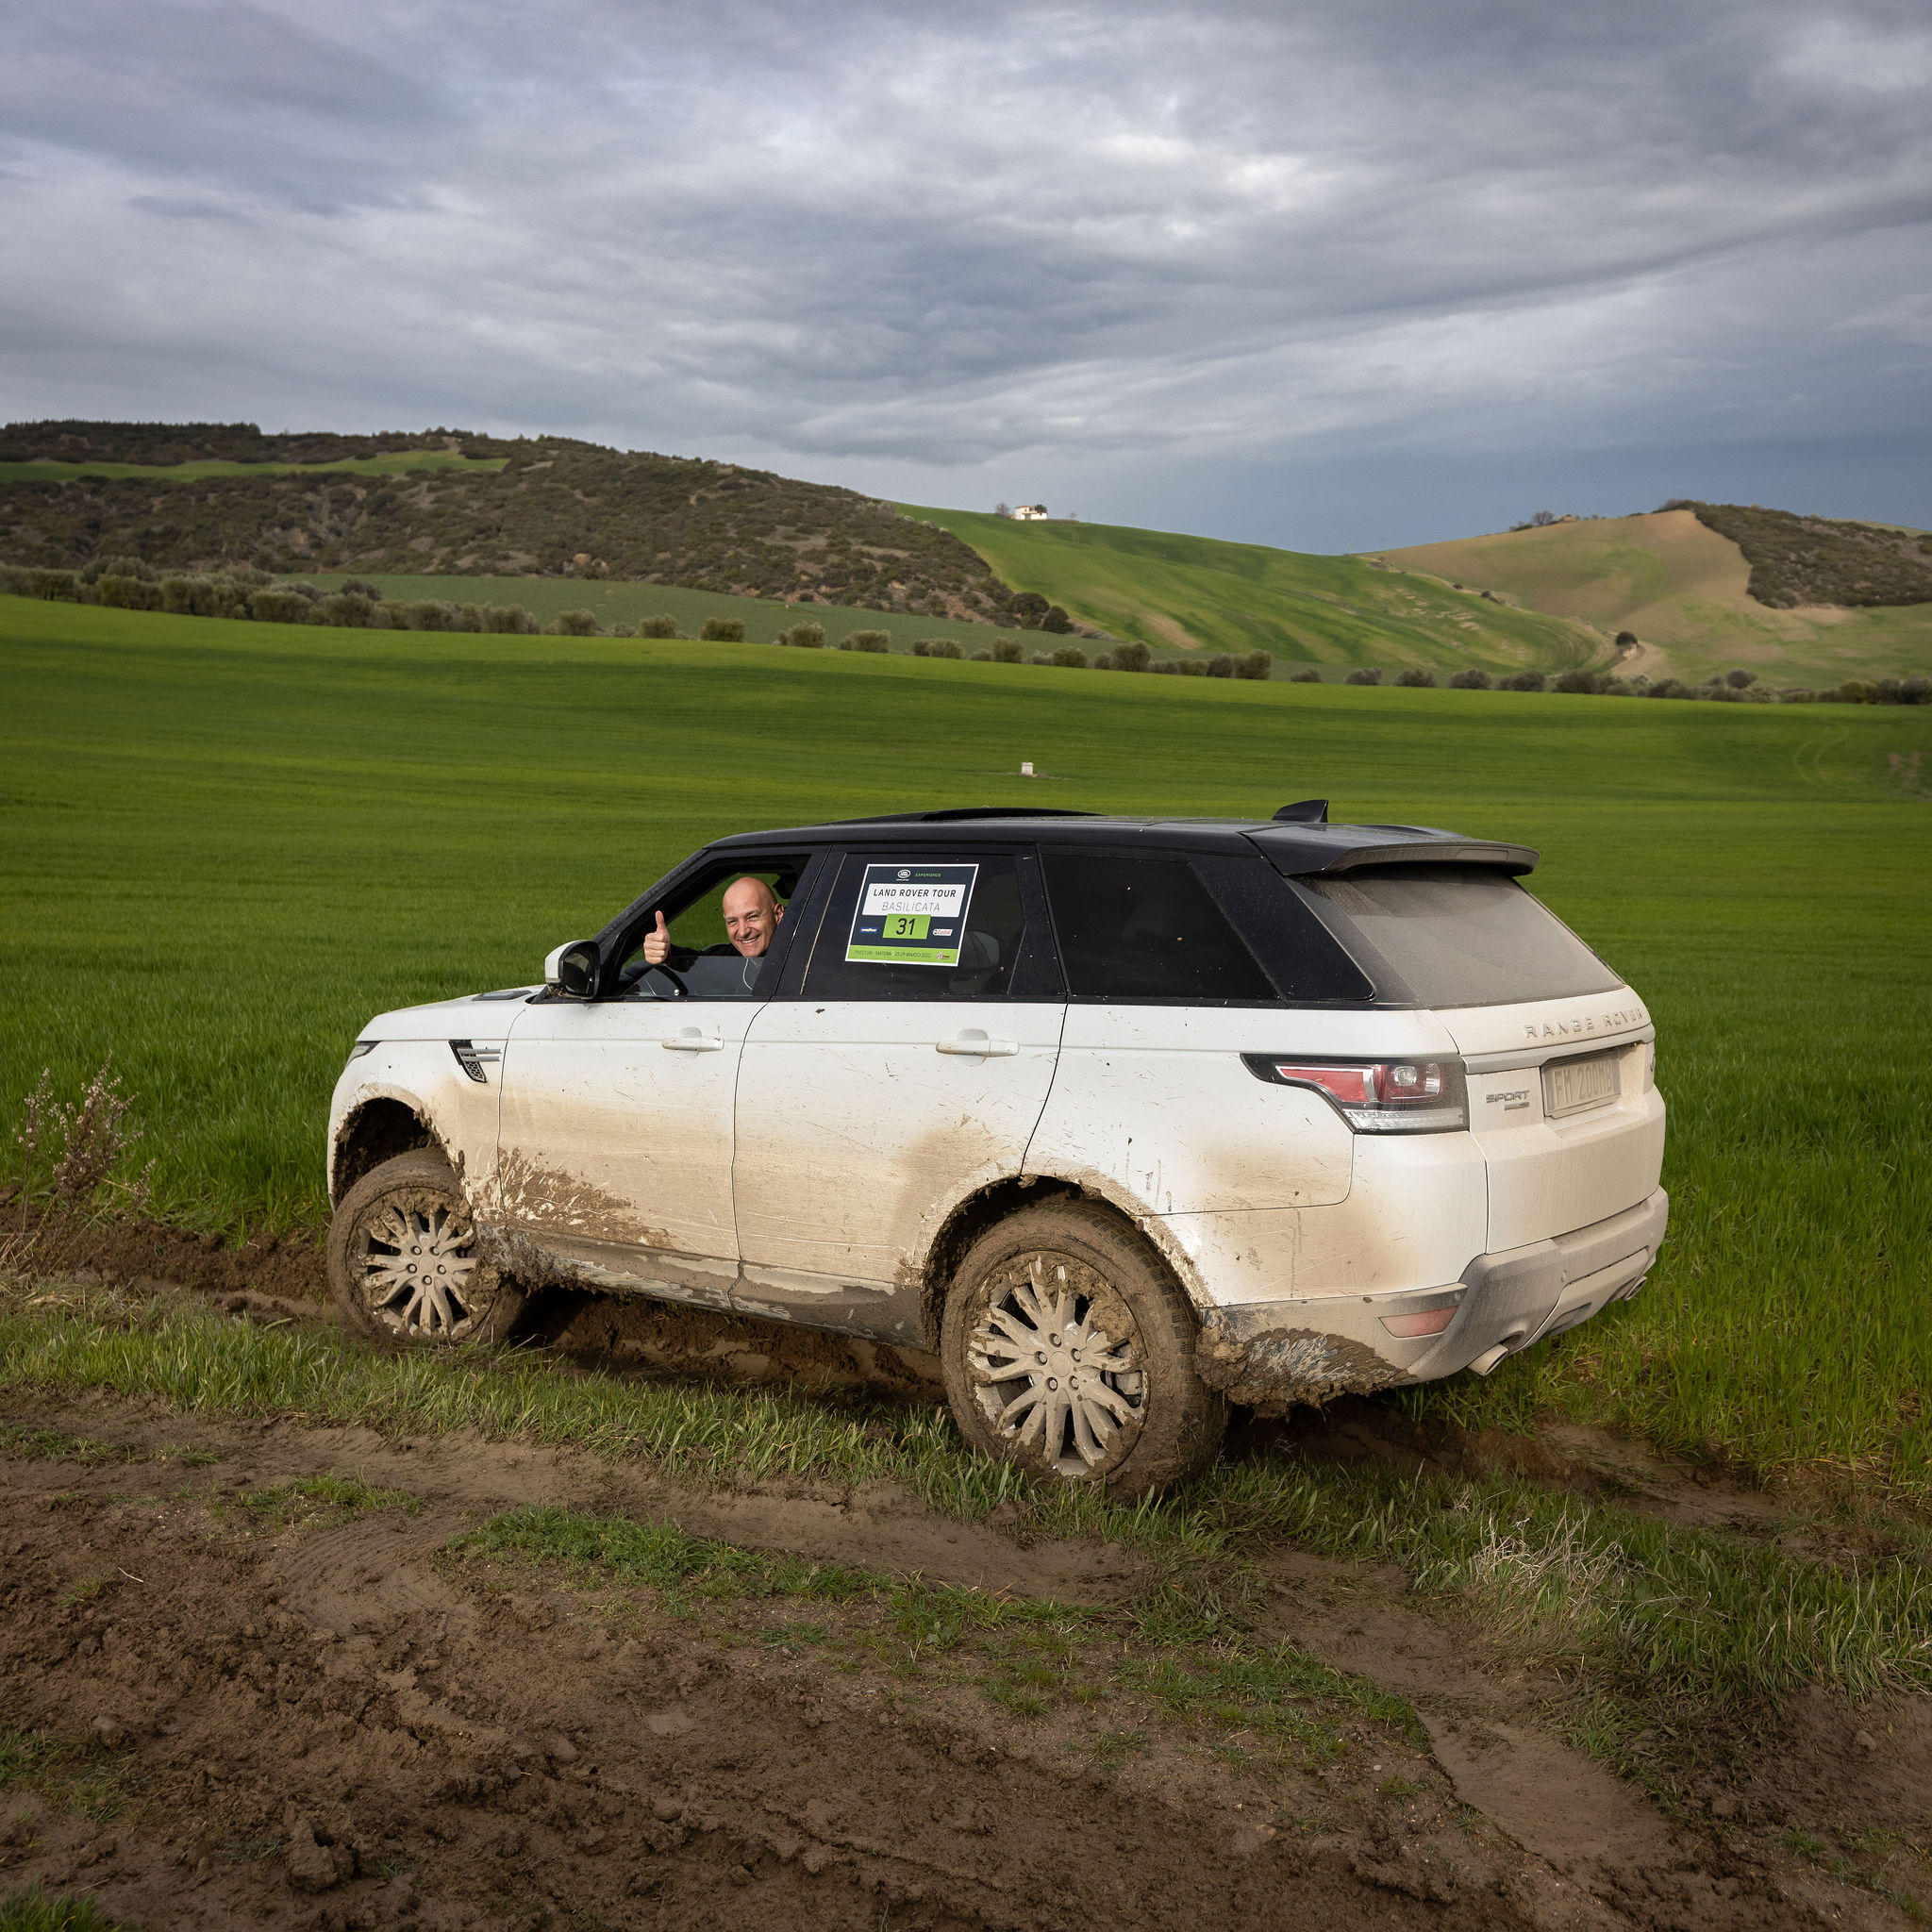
column 391, row 463
column 1195, row 593
column 228, row 843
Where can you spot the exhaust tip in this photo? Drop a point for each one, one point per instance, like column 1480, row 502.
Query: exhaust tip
column 1489, row 1359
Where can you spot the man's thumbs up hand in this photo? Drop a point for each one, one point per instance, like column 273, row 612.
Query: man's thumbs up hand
column 658, row 945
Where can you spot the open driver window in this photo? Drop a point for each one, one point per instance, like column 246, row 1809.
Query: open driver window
column 703, row 961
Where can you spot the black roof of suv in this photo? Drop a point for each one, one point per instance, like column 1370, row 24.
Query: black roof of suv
column 1295, row 841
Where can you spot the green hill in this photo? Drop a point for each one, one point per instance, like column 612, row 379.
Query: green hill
column 1197, row 593
column 1684, row 590
column 200, row 496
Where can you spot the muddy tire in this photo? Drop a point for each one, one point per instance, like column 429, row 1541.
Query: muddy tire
column 403, row 1264
column 1068, row 1347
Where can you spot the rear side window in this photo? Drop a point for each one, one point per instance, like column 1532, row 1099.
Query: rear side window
column 1302, row 956
column 1135, row 928
column 1455, row 936
column 919, row 927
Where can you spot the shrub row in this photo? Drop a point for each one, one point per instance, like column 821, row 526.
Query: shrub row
column 1123, row 657
column 127, row 583
column 123, row 583
column 1131, row 656
column 1256, row 664
column 1722, row 687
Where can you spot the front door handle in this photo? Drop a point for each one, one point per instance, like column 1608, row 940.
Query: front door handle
column 972, row 1041
column 688, row 1039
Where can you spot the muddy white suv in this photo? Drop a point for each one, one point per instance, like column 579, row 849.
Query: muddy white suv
column 1127, row 1118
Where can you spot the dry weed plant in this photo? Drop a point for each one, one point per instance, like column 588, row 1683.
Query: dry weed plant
column 79, row 1146
column 94, row 1138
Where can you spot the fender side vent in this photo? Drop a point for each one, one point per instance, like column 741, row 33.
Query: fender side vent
column 474, row 1060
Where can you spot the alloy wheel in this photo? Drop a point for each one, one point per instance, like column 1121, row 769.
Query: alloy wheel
column 416, row 1255
column 1057, row 1365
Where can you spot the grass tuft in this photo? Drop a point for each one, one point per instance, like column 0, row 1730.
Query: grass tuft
column 86, row 1779
column 337, row 1491
column 38, row 1910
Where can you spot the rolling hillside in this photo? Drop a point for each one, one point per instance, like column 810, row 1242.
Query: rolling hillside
column 1194, row 593
column 203, row 496
column 556, row 524
column 1683, row 590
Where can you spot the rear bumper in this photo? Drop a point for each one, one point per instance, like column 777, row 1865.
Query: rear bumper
column 1274, row 1353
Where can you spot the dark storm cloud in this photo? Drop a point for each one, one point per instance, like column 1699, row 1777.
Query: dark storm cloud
column 909, row 238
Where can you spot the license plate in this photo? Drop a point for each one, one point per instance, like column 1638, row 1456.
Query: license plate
column 1573, row 1086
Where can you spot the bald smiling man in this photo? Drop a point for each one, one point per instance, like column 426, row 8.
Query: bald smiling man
column 751, row 913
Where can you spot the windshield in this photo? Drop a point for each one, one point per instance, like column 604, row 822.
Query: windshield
column 1455, row 936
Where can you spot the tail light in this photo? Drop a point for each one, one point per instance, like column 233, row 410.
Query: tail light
column 1379, row 1096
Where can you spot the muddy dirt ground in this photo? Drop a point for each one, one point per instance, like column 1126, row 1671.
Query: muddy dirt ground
column 231, row 1700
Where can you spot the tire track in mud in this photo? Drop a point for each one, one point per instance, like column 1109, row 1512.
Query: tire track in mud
column 341, row 1722
column 344, row 1719
column 1591, row 1836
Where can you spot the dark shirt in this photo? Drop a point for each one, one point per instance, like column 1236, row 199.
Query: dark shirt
column 708, row 977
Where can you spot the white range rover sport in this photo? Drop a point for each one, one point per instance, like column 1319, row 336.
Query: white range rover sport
column 1127, row 1118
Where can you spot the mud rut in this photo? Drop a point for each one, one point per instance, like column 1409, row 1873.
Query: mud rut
column 320, row 1716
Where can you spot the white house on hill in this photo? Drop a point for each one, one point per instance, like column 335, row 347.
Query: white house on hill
column 1030, row 513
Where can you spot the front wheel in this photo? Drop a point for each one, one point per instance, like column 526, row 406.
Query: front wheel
column 402, row 1258
column 1069, row 1348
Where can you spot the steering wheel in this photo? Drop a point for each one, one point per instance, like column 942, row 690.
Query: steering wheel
column 683, row 991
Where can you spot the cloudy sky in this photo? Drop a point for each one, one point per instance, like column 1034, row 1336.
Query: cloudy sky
column 1338, row 275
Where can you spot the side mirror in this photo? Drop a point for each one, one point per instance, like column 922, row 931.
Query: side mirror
column 573, row 970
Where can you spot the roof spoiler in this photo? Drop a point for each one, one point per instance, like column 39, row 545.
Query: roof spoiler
column 1308, row 848
column 1510, row 858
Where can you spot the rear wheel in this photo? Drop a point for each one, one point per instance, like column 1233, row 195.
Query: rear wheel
column 1068, row 1347
column 402, row 1262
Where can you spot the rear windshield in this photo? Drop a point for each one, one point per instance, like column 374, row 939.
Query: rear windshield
column 1455, row 936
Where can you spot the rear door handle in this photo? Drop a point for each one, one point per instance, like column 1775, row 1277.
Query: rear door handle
column 688, row 1039
column 972, row 1041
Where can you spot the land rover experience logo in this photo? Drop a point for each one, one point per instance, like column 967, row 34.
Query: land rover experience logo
column 1617, row 1022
